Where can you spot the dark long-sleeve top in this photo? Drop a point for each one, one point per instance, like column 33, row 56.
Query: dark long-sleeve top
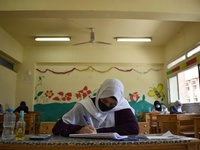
column 173, row 110
column 125, row 124
column 19, row 108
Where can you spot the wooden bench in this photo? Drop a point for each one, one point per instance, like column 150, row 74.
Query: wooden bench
column 154, row 127
column 197, row 127
column 185, row 125
column 46, row 127
column 37, row 120
column 151, row 118
column 179, row 124
column 144, row 127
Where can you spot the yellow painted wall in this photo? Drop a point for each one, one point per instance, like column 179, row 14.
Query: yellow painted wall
column 10, row 48
column 182, row 42
column 7, row 87
column 139, row 58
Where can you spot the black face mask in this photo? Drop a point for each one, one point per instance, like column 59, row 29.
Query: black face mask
column 103, row 107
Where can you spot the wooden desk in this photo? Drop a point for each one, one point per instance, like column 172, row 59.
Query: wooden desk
column 180, row 124
column 63, row 143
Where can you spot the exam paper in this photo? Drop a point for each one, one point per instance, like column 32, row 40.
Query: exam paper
column 112, row 135
column 167, row 135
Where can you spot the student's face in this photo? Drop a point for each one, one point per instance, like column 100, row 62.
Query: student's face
column 106, row 104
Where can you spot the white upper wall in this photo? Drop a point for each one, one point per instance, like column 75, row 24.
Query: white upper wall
column 10, row 48
column 95, row 54
column 182, row 42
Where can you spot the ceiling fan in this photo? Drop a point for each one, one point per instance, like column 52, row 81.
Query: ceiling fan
column 92, row 39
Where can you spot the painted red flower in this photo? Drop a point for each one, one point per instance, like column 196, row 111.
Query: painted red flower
column 78, row 95
column 56, row 98
column 68, row 97
column 49, row 94
column 83, row 93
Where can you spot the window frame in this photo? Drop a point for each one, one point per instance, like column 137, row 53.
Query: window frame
column 170, row 101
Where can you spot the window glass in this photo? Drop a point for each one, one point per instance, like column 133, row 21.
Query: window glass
column 6, row 63
column 189, row 85
column 173, row 89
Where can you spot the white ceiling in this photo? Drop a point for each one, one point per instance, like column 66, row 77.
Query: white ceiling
column 25, row 25
column 24, row 30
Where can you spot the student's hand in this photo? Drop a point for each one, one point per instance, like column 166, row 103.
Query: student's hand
column 87, row 129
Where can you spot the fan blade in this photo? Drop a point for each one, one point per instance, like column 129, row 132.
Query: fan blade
column 92, row 39
column 98, row 42
column 82, row 43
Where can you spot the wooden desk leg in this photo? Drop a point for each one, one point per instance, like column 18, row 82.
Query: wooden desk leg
column 193, row 146
column 158, row 127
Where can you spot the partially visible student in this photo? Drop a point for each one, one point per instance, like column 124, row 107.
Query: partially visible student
column 177, row 108
column 109, row 111
column 22, row 107
column 160, row 108
column 1, row 108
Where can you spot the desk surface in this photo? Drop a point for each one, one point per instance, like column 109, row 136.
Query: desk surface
column 61, row 143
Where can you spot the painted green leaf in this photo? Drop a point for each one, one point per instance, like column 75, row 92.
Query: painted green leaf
column 39, row 93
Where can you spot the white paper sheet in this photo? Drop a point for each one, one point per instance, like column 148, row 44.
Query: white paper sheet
column 167, row 135
column 113, row 135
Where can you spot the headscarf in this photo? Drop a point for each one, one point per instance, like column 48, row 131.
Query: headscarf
column 22, row 103
column 178, row 105
column 156, row 104
column 110, row 87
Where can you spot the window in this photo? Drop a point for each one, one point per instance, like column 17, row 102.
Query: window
column 173, row 89
column 175, row 62
column 5, row 63
column 185, row 86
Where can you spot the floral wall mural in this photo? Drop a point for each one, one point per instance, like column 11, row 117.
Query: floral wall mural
column 57, row 89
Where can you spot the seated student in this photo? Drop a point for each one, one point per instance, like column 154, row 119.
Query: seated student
column 1, row 108
column 22, row 107
column 109, row 111
column 160, row 107
column 177, row 108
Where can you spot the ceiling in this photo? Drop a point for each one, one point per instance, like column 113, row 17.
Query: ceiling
column 23, row 26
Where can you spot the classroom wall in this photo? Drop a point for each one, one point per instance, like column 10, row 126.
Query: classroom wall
column 83, row 56
column 146, row 61
column 13, row 51
column 184, row 41
column 7, row 87
column 10, row 48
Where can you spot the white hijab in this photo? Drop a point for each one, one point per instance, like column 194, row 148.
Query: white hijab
column 110, row 87
column 178, row 105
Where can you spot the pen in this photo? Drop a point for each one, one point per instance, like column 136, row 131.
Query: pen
column 86, row 119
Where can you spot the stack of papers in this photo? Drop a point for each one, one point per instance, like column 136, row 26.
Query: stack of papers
column 112, row 135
